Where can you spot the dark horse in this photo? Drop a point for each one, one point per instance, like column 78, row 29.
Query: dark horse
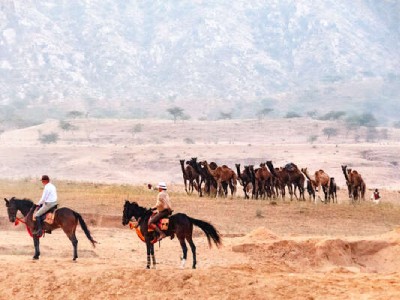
column 180, row 225
column 64, row 218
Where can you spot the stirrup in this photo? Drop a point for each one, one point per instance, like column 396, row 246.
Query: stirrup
column 160, row 237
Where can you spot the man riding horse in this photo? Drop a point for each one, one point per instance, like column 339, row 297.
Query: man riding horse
column 163, row 206
column 47, row 202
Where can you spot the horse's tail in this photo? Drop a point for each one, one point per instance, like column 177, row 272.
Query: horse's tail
column 85, row 228
column 210, row 231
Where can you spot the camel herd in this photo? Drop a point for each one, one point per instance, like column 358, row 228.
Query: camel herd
column 266, row 181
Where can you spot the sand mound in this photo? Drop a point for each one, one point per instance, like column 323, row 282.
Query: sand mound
column 321, row 254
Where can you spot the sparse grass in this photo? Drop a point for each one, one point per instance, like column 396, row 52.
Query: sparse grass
column 102, row 204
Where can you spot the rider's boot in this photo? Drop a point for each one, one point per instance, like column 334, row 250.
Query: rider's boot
column 38, row 226
column 160, row 233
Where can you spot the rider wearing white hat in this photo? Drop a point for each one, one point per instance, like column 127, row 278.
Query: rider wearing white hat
column 163, row 206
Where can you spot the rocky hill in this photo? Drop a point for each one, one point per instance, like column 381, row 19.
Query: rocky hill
column 137, row 58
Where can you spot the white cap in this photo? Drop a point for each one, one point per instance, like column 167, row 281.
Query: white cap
column 162, row 185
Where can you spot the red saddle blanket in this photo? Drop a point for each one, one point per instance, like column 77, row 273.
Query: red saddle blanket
column 162, row 224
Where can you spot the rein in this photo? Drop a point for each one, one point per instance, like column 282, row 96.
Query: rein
column 18, row 220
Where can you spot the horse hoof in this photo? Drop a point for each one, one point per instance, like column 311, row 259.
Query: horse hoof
column 147, row 267
column 35, row 257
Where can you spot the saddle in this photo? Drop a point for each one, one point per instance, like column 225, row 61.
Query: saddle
column 162, row 224
column 290, row 167
column 48, row 216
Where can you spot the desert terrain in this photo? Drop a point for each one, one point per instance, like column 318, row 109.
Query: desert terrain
column 271, row 249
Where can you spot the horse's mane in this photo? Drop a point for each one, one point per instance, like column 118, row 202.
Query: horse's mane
column 24, row 201
column 143, row 211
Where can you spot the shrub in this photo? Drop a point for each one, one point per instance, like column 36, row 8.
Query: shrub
column 188, row 141
column 48, row 138
column 332, row 115
column 137, row 128
column 312, row 138
column 67, row 126
column 292, row 114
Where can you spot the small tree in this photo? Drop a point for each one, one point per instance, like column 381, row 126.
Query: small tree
column 262, row 113
column 368, row 120
column 225, row 116
column 311, row 114
column 372, row 134
column 330, row 131
column 176, row 112
column 74, row 114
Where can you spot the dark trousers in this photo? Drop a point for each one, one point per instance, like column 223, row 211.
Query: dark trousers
column 162, row 214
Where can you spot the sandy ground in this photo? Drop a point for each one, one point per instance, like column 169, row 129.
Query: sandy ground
column 291, row 250
column 284, row 251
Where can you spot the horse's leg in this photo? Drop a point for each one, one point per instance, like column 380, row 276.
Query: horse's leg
column 153, row 257
column 36, row 245
column 184, row 250
column 74, row 242
column 70, row 232
column 148, row 248
column 193, row 247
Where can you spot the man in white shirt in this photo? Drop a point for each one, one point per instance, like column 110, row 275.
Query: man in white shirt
column 48, row 201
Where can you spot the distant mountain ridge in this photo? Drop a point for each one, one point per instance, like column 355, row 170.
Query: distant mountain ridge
column 137, row 58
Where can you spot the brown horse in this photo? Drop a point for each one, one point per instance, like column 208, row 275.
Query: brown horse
column 64, row 218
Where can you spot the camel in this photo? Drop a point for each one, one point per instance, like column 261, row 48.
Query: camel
column 210, row 185
column 297, row 179
column 244, row 179
column 201, row 171
column 289, row 176
column 281, row 178
column 321, row 180
column 190, row 177
column 356, row 184
column 332, row 190
column 311, row 189
column 344, row 169
column 263, row 182
column 223, row 174
column 252, row 175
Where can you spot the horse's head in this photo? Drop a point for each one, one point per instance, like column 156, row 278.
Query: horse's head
column 130, row 210
column 11, row 209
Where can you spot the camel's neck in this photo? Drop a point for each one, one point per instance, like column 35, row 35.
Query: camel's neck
column 183, row 168
column 272, row 170
column 307, row 175
column 345, row 174
column 238, row 171
column 211, row 171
